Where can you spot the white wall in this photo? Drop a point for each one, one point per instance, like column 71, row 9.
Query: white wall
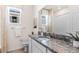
column 0, row 29
column 26, row 22
column 28, row 14
column 37, row 8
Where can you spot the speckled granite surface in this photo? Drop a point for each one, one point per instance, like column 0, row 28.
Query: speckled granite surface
column 57, row 45
column 62, row 46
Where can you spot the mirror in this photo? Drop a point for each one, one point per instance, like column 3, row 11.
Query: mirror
column 61, row 19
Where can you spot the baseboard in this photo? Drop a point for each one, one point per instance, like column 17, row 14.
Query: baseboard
column 15, row 50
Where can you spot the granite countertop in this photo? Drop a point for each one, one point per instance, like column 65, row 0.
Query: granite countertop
column 56, row 45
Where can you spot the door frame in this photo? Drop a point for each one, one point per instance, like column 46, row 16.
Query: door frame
column 4, row 45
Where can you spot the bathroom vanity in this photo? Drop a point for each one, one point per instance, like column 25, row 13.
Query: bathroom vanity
column 51, row 21
column 39, row 45
column 50, row 45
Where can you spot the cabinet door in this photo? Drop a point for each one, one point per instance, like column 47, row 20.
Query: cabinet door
column 48, row 51
column 37, row 48
column 30, row 45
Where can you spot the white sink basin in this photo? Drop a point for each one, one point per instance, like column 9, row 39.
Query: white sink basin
column 44, row 40
column 41, row 39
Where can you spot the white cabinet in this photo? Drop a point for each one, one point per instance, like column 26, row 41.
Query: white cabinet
column 48, row 51
column 37, row 48
column 30, row 45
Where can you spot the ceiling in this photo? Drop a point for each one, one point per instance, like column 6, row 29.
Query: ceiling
column 56, row 8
